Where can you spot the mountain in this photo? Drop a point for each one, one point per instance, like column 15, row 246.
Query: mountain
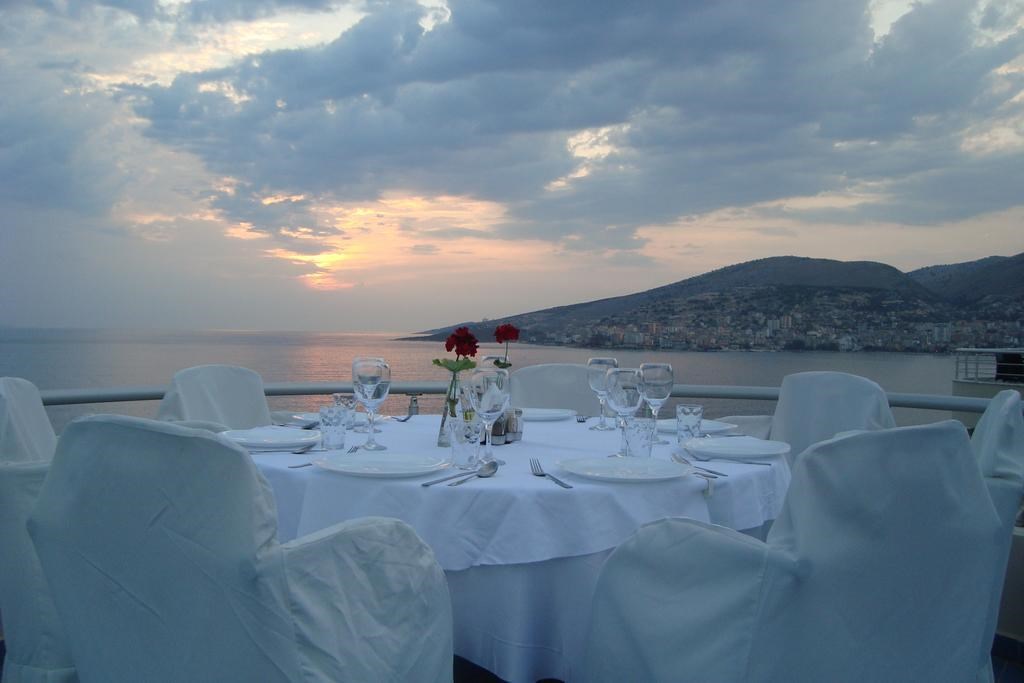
column 985, row 281
column 769, row 283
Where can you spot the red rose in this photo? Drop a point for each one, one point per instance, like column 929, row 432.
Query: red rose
column 463, row 341
column 506, row 333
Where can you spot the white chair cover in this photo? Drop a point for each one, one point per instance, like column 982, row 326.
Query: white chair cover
column 878, row 569
column 814, row 406
column 37, row 649
column 26, row 434
column 221, row 394
column 158, row 542
column 998, row 442
column 553, row 385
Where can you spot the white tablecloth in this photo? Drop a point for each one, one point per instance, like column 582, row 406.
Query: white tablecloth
column 521, row 553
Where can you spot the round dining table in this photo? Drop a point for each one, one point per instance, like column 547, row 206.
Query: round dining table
column 522, row 554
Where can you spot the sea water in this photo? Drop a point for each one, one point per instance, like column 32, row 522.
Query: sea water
column 76, row 359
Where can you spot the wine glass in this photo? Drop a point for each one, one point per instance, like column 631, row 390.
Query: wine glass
column 623, row 386
column 597, row 370
column 487, row 389
column 656, row 382
column 371, row 379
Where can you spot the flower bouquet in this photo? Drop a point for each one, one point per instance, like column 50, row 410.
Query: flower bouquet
column 503, row 334
column 465, row 346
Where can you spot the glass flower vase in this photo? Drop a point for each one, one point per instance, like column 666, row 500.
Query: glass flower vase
column 449, row 411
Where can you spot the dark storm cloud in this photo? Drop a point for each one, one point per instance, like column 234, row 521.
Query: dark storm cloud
column 194, row 11
column 716, row 104
column 706, row 105
column 204, row 11
column 49, row 153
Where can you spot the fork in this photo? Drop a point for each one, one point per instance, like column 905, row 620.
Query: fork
column 581, row 418
column 538, row 471
column 745, row 462
column 403, row 419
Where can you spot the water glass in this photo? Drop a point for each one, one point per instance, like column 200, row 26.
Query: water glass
column 688, row 418
column 487, row 391
column 466, row 432
column 640, row 433
column 349, row 404
column 371, row 379
column 657, row 380
column 623, row 387
column 597, row 373
column 333, row 419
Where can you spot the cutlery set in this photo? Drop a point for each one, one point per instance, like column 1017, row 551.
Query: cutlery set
column 489, row 469
column 309, row 464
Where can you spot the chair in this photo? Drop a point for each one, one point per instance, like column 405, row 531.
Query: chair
column 26, row 434
column 998, row 442
column 553, row 385
column 879, row 568
column 218, row 394
column 37, row 648
column 158, row 542
column 814, row 406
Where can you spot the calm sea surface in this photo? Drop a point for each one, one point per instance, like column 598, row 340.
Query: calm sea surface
column 67, row 359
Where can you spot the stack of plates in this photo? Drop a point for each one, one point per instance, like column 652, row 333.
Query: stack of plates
column 382, row 464
column 273, row 438
column 547, row 414
column 706, row 426
column 625, row 469
column 736, row 448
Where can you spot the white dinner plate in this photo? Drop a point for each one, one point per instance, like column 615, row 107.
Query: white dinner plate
column 738, row 447
column 273, row 438
column 706, row 426
column 306, row 418
column 625, row 469
column 382, row 464
column 547, row 414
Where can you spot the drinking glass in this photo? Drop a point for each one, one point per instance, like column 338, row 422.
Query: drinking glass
column 333, row 419
column 597, row 370
column 688, row 419
column 656, row 382
column 623, row 386
column 371, row 378
column 466, row 429
column 487, row 389
column 640, row 433
column 349, row 403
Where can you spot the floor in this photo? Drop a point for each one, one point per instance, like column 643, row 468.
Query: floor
column 1008, row 660
column 1006, row 670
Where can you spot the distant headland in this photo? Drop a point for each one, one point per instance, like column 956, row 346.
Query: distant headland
column 796, row 303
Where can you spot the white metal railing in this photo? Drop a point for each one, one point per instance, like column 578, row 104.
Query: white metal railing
column 60, row 397
column 990, row 365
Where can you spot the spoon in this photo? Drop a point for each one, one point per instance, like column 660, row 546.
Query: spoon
column 492, row 467
column 486, row 470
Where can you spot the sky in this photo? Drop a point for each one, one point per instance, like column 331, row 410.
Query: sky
column 400, row 165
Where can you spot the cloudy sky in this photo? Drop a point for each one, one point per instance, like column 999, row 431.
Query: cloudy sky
column 399, row 165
